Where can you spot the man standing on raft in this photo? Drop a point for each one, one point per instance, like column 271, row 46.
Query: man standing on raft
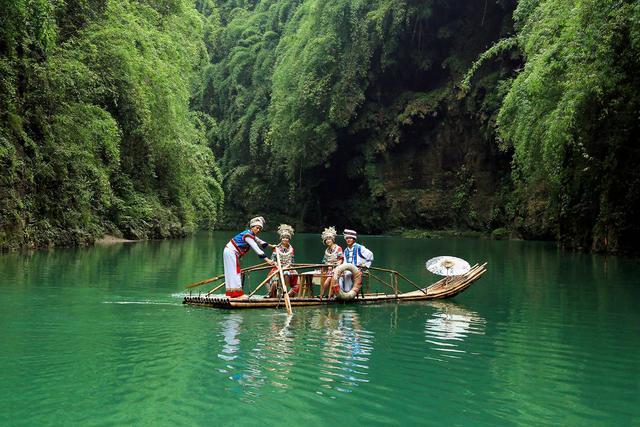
column 236, row 249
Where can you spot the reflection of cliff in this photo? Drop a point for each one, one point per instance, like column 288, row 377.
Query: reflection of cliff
column 346, row 349
column 450, row 324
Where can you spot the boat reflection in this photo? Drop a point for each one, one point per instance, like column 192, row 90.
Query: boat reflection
column 231, row 325
column 346, row 350
column 259, row 361
column 278, row 351
column 449, row 325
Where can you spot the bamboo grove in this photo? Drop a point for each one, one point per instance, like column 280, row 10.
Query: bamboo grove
column 153, row 118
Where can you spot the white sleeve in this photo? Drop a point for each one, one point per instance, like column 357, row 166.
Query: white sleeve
column 367, row 255
column 261, row 242
column 254, row 245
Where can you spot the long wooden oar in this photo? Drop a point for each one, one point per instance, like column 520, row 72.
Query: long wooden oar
column 287, row 302
column 204, row 282
column 220, row 276
column 215, row 289
column 255, row 267
column 263, row 283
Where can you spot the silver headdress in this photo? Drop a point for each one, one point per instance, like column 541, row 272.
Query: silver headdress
column 285, row 230
column 329, row 233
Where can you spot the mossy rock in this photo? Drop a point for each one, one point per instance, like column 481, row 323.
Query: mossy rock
column 500, row 234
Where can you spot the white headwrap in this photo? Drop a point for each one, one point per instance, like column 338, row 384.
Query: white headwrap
column 285, row 230
column 257, row 221
column 329, row 233
column 350, row 233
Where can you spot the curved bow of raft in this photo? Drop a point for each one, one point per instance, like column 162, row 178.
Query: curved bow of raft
column 444, row 288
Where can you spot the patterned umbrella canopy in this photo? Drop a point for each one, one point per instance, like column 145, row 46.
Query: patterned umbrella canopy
column 448, row 266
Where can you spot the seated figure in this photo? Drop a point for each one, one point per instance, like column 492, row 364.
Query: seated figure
column 332, row 256
column 355, row 254
column 286, row 252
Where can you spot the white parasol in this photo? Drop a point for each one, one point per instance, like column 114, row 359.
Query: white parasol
column 448, row 266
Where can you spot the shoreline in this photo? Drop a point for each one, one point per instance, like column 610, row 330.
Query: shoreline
column 109, row 239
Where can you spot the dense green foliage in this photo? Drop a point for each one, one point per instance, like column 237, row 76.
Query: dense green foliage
column 516, row 116
column 572, row 118
column 349, row 112
column 313, row 97
column 96, row 131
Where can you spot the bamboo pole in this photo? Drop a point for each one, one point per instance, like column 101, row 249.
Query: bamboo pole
column 220, row 276
column 254, row 267
column 379, row 279
column 387, row 270
column 263, row 283
column 215, row 289
column 401, row 275
column 293, row 267
column 204, row 282
column 394, row 277
column 287, row 302
column 414, row 285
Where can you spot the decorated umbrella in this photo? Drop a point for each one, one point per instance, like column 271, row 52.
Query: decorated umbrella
column 448, row 266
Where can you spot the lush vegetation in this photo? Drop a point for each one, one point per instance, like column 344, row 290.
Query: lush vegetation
column 96, row 130
column 516, row 117
column 313, row 99
column 376, row 115
column 571, row 116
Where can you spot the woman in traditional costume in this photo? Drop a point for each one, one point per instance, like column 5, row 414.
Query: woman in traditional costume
column 332, row 256
column 355, row 254
column 236, row 249
column 287, row 253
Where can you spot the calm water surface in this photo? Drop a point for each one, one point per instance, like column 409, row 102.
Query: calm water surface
column 98, row 336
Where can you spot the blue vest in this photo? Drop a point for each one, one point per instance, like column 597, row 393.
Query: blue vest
column 351, row 255
column 241, row 245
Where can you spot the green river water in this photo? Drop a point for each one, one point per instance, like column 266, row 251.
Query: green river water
column 98, row 336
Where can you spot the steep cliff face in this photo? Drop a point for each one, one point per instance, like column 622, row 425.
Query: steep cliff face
column 421, row 155
column 449, row 176
column 472, row 115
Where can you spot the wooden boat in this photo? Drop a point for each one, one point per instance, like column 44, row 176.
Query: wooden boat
column 444, row 288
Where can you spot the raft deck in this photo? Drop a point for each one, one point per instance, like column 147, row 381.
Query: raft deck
column 444, row 288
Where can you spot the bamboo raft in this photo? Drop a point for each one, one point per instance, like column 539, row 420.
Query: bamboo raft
column 444, row 288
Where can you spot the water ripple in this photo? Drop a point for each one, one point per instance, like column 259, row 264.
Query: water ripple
column 524, row 347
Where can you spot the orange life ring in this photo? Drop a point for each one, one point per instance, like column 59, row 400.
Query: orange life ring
column 335, row 281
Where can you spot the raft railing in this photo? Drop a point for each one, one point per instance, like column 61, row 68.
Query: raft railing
column 392, row 284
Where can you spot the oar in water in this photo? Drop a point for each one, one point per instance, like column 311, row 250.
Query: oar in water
column 287, row 302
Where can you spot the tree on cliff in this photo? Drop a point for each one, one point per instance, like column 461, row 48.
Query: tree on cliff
column 96, row 133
